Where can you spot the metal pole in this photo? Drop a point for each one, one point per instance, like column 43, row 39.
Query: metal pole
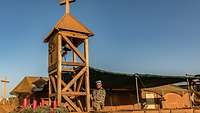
column 137, row 89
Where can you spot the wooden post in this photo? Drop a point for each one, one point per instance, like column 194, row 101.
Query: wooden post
column 87, row 81
column 59, row 69
column 67, row 7
column 53, row 82
column 74, row 61
column 50, row 90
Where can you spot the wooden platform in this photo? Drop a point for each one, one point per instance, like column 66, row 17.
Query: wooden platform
column 157, row 111
column 133, row 109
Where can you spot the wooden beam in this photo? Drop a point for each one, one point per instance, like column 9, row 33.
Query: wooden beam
column 52, row 72
column 67, row 70
column 71, row 103
column 74, row 48
column 79, row 84
column 67, row 10
column 80, row 104
column 50, row 91
column 73, row 64
column 64, row 84
column 74, row 79
column 52, row 79
column 74, row 61
column 87, row 81
column 74, row 35
column 69, row 108
column 53, row 94
column 74, row 93
column 59, row 69
column 74, row 57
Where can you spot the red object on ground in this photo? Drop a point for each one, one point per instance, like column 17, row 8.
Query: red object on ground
column 42, row 102
column 53, row 104
column 25, row 102
column 34, row 104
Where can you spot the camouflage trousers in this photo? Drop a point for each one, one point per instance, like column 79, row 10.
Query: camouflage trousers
column 98, row 105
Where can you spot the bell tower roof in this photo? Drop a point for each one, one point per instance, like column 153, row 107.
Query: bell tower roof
column 69, row 23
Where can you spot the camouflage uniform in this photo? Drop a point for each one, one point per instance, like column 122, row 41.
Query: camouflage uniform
column 99, row 99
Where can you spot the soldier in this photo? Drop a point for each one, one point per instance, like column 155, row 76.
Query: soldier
column 98, row 96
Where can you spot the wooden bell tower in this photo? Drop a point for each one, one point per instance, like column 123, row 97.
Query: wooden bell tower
column 68, row 66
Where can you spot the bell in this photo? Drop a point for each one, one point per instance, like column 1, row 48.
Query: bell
column 66, row 48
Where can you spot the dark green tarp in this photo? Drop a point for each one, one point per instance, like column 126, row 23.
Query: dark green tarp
column 127, row 81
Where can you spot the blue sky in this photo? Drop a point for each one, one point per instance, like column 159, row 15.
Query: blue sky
column 143, row 36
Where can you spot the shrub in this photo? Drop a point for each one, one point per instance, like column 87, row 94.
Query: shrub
column 61, row 110
column 46, row 109
column 27, row 110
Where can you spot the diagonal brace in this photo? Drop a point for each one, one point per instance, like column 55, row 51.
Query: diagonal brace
column 71, row 103
column 74, row 48
column 74, row 79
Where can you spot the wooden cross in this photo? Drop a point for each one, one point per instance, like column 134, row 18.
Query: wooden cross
column 67, row 3
column 4, row 86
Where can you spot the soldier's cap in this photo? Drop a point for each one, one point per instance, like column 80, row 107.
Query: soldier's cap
column 98, row 82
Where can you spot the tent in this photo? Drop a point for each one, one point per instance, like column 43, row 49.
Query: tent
column 127, row 81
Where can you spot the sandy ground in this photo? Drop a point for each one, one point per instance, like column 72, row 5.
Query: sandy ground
column 2, row 110
column 6, row 108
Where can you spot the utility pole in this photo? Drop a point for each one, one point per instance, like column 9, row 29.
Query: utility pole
column 5, row 82
column 137, row 88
